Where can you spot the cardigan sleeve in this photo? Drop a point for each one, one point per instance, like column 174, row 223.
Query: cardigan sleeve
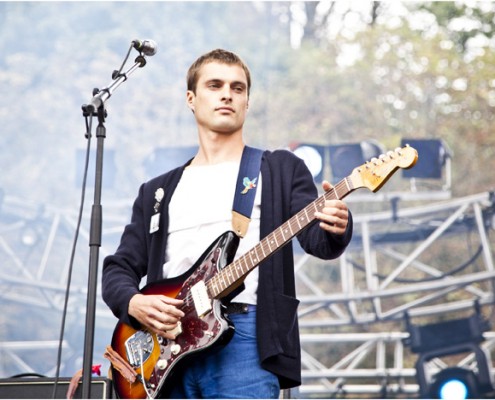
column 140, row 252
column 314, row 240
column 123, row 271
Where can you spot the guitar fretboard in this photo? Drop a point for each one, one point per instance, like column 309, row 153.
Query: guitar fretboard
column 229, row 276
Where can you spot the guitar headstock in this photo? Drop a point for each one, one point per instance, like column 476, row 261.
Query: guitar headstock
column 374, row 173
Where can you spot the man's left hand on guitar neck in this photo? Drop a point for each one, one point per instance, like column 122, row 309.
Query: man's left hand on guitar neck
column 334, row 216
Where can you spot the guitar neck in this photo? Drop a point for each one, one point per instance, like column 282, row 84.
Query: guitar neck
column 233, row 274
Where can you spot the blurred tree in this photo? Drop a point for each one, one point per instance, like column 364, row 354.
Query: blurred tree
column 462, row 20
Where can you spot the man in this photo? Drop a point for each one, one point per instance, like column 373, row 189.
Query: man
column 178, row 214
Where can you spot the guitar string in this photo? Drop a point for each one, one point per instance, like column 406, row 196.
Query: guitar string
column 293, row 224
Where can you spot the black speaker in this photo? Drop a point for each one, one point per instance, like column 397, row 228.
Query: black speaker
column 42, row 388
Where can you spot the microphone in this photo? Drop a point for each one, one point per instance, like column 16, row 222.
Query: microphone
column 147, row 47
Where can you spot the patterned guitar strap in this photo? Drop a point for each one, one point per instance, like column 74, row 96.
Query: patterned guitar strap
column 245, row 191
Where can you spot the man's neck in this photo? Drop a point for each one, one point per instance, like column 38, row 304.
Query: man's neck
column 219, row 149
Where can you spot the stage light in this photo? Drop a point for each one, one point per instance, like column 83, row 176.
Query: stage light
column 454, row 384
column 313, row 156
column 453, row 389
column 434, row 155
column 345, row 157
column 449, row 338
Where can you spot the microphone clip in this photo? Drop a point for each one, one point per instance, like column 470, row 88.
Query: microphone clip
column 141, row 60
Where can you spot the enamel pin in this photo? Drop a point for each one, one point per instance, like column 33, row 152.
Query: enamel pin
column 155, row 219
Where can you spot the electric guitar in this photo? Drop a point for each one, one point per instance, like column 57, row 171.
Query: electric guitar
column 143, row 363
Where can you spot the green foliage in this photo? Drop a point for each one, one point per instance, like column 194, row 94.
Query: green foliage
column 475, row 19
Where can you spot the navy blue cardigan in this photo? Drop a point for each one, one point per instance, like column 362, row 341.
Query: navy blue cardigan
column 287, row 188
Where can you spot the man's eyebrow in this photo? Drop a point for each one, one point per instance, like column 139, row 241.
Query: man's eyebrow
column 213, row 80
column 219, row 80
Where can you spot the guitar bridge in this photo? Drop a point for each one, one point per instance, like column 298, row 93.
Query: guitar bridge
column 139, row 348
column 202, row 301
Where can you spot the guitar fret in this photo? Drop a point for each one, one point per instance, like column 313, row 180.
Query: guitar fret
column 262, row 246
column 346, row 180
column 236, row 269
column 290, row 227
column 287, row 231
column 255, row 251
column 256, row 258
column 274, row 239
column 245, row 268
column 245, row 264
column 307, row 216
column 269, row 241
column 223, row 280
column 318, row 207
column 298, row 223
column 251, row 258
column 229, row 275
column 212, row 285
column 283, row 236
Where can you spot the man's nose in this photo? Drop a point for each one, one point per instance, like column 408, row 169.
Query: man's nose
column 226, row 92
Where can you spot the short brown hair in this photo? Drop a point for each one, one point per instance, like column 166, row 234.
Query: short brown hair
column 221, row 56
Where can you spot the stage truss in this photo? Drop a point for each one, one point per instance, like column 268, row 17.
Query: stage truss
column 430, row 261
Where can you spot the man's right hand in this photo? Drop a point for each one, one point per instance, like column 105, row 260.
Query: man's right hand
column 157, row 312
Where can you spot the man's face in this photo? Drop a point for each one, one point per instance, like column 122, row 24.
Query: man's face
column 221, row 100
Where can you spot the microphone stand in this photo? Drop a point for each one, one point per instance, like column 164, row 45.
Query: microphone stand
column 97, row 104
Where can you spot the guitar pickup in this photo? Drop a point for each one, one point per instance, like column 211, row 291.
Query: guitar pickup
column 202, row 301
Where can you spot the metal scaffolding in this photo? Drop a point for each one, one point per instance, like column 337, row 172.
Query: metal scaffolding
column 396, row 264
column 427, row 260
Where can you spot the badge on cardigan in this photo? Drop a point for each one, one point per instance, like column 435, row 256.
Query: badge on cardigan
column 155, row 219
column 155, row 223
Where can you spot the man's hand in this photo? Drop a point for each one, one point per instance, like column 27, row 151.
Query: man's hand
column 334, row 215
column 156, row 312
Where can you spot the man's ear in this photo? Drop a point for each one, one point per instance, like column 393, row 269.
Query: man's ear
column 190, row 100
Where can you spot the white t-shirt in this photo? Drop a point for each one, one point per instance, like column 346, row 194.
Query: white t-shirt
column 201, row 210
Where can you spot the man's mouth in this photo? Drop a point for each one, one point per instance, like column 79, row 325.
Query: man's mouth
column 228, row 109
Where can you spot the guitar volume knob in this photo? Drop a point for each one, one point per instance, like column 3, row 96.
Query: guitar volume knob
column 175, row 349
column 161, row 364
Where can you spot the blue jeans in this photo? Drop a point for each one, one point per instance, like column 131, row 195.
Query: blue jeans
column 233, row 371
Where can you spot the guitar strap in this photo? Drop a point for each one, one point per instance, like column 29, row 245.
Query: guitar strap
column 245, row 191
